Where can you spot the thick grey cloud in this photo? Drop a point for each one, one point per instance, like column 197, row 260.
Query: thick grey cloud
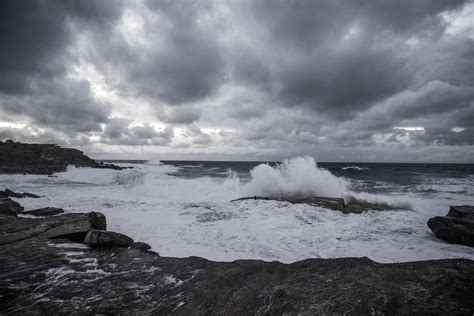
column 36, row 37
column 180, row 115
column 118, row 131
column 243, row 77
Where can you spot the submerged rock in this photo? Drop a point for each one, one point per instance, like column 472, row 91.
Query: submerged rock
column 337, row 204
column 102, row 238
column 45, row 211
column 41, row 275
column 456, row 227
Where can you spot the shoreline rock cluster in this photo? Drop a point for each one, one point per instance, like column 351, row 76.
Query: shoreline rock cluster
column 43, row 159
column 70, row 264
column 354, row 206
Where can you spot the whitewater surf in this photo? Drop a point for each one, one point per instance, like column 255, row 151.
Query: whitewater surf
column 183, row 208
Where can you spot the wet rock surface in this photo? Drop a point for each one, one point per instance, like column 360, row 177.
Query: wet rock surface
column 141, row 246
column 336, row 204
column 45, row 211
column 10, row 207
column 456, row 227
column 102, row 238
column 46, row 269
column 462, row 211
column 43, row 158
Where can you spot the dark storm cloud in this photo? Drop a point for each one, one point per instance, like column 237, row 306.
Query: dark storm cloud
column 62, row 103
column 180, row 115
column 35, row 38
column 342, row 57
column 118, row 131
column 181, row 61
column 287, row 74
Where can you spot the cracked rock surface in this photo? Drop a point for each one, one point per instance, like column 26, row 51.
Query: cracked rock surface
column 46, row 269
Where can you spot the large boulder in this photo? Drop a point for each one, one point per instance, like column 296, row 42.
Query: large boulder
column 102, row 238
column 45, row 211
column 453, row 230
column 98, row 220
column 456, row 227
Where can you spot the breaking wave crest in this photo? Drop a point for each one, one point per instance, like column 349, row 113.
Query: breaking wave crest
column 356, row 168
column 298, row 176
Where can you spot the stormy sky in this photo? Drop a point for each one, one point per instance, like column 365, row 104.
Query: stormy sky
column 355, row 80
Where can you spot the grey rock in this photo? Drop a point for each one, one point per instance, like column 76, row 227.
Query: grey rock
column 453, row 230
column 141, row 246
column 10, row 207
column 102, row 238
column 10, row 193
column 71, row 226
column 462, row 211
column 337, row 204
column 54, row 276
column 45, row 211
column 98, row 220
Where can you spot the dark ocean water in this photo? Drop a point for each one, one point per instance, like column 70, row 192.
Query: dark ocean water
column 428, row 180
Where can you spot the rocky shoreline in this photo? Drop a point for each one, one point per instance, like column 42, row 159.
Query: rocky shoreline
column 70, row 264
column 43, row 158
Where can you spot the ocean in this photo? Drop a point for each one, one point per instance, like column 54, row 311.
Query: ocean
column 183, row 208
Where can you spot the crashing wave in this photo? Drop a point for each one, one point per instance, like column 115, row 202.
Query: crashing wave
column 298, row 176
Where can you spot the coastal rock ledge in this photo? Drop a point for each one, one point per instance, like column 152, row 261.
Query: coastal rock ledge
column 46, row 269
column 43, row 158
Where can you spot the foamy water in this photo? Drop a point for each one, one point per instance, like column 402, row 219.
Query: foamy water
column 193, row 217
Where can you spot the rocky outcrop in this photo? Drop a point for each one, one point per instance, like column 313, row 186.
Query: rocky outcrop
column 46, row 269
column 43, row 158
column 9, row 193
column 353, row 206
column 45, row 211
column 456, row 227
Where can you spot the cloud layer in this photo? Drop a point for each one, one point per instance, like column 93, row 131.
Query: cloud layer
column 345, row 80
